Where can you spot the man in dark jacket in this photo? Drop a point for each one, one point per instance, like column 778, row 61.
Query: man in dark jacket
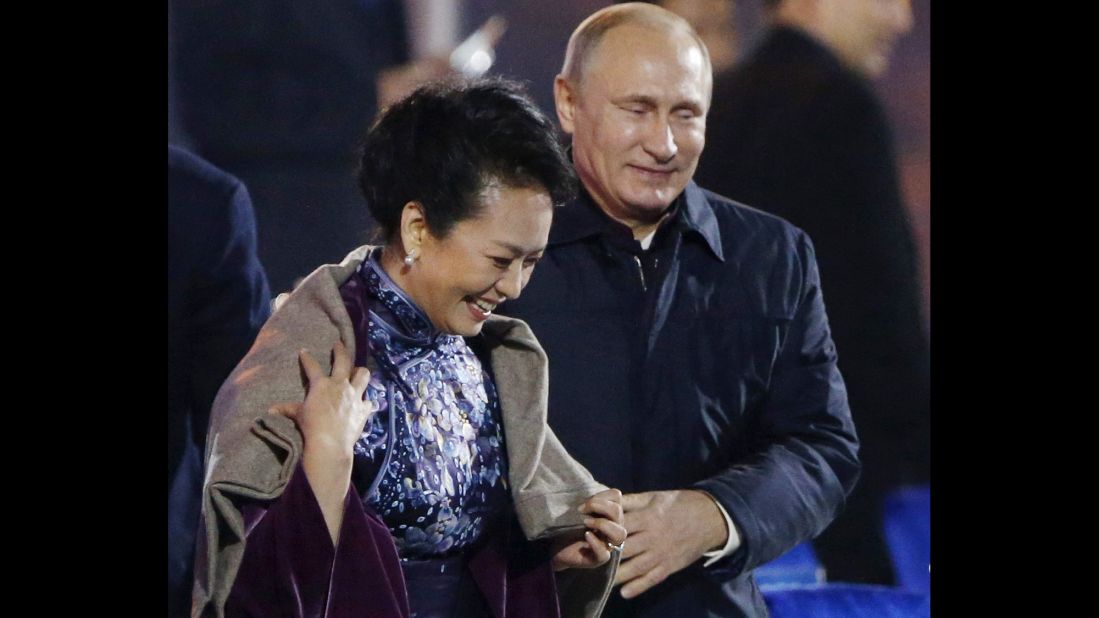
column 217, row 300
column 797, row 131
column 690, row 355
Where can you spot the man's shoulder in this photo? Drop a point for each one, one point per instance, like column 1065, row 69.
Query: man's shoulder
column 189, row 174
column 205, row 203
column 209, row 210
column 739, row 222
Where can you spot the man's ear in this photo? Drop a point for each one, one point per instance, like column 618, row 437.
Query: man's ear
column 564, row 98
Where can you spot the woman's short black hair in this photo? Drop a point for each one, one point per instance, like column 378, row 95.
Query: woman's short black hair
column 444, row 143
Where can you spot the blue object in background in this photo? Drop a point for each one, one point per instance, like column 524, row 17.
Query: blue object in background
column 846, row 601
column 795, row 567
column 907, row 527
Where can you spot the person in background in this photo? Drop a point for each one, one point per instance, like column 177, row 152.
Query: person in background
column 800, row 133
column 217, row 300
column 714, row 21
column 278, row 92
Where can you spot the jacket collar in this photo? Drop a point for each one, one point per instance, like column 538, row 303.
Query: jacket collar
column 583, row 218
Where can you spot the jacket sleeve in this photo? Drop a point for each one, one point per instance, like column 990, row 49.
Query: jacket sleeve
column 218, row 299
column 804, row 454
column 231, row 301
column 291, row 569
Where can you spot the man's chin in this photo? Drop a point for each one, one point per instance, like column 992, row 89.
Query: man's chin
column 874, row 65
column 653, row 203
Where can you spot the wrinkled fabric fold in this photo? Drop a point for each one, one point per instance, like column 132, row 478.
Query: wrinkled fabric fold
column 290, row 568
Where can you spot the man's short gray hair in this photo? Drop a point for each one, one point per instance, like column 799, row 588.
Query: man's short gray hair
column 587, row 36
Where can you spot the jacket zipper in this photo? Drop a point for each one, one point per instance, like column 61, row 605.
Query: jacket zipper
column 640, row 273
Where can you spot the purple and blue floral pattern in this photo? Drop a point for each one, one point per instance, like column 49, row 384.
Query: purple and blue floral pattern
column 445, row 480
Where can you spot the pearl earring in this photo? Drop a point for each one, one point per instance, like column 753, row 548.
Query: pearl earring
column 410, row 259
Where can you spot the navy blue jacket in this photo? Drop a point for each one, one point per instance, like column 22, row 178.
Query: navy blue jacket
column 217, row 300
column 705, row 363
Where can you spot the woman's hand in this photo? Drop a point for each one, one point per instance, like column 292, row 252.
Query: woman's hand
column 331, row 420
column 332, row 417
column 605, row 533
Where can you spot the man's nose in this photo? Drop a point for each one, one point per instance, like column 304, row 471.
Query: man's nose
column 660, row 141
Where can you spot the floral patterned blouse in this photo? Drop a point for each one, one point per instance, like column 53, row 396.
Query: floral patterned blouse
column 431, row 461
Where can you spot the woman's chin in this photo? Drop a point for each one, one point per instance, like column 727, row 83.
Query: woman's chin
column 465, row 327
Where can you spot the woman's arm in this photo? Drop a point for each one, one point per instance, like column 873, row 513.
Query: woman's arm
column 331, row 420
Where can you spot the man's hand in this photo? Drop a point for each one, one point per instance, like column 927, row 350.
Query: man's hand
column 669, row 530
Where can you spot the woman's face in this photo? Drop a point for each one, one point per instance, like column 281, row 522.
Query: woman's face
column 484, row 260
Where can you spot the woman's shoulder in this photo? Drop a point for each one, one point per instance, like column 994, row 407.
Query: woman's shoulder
column 323, row 283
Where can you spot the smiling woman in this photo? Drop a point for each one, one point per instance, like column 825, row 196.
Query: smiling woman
column 429, row 484
column 472, row 203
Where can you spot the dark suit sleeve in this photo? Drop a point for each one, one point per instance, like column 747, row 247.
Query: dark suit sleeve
column 217, row 300
column 805, row 450
column 229, row 302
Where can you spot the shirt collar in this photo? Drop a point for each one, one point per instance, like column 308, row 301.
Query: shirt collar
column 583, row 218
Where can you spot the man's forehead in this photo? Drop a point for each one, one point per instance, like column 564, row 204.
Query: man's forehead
column 643, row 61
column 669, row 41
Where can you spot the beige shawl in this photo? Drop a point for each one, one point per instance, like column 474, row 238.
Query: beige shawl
column 251, row 454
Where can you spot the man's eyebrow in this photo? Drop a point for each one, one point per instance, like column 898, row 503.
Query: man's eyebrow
column 636, row 98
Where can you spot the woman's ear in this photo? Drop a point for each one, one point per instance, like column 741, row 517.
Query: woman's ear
column 413, row 228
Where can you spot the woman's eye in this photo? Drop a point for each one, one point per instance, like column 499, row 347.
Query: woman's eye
column 501, row 262
column 530, row 262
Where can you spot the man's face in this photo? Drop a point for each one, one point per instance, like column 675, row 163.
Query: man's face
column 637, row 119
column 863, row 31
